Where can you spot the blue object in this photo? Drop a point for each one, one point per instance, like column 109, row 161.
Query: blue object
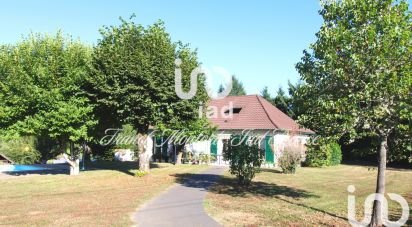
column 20, row 168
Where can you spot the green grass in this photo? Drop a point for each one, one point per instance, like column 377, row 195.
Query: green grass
column 103, row 196
column 311, row 197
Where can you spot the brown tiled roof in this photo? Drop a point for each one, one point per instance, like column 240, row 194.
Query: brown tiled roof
column 255, row 113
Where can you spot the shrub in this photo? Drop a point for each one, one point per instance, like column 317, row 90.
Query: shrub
column 21, row 150
column 323, row 152
column 204, row 158
column 102, row 153
column 244, row 159
column 49, row 148
column 290, row 159
column 140, row 173
column 336, row 154
column 126, row 139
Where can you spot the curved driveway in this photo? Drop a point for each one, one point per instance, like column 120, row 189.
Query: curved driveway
column 182, row 204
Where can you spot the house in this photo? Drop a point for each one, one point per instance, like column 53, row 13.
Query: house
column 251, row 116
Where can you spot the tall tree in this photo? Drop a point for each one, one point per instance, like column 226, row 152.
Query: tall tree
column 237, row 87
column 134, row 78
column 266, row 94
column 287, row 103
column 282, row 101
column 296, row 103
column 183, row 115
column 40, row 91
column 358, row 75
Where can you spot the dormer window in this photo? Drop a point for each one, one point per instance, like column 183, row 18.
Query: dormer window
column 235, row 110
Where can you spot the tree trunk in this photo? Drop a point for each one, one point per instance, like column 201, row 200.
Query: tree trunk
column 144, row 156
column 179, row 154
column 377, row 218
column 73, row 161
column 179, row 157
column 74, row 169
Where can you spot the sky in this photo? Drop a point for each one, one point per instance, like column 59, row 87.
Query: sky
column 258, row 41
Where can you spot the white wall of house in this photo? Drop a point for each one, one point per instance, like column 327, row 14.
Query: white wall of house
column 280, row 141
column 199, row 147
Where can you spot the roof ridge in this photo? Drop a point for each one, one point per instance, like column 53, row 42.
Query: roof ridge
column 266, row 111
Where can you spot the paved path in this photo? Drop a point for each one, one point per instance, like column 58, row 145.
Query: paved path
column 182, row 204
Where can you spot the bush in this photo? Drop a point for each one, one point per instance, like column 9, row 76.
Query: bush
column 21, row 150
column 336, row 154
column 49, row 148
column 204, row 158
column 103, row 153
column 126, row 139
column 244, row 159
column 140, row 173
column 323, row 152
column 290, row 159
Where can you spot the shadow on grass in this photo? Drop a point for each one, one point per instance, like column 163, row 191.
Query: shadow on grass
column 271, row 170
column 403, row 167
column 202, row 181
column 229, row 186
column 217, row 184
column 128, row 168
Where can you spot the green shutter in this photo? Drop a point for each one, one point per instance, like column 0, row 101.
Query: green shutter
column 268, row 150
column 213, row 148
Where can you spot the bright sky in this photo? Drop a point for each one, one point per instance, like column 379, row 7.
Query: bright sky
column 258, row 41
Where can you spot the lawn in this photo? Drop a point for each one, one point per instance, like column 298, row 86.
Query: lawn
column 99, row 197
column 311, row 197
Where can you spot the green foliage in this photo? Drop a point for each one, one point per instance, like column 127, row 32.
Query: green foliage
column 358, row 74
column 323, row 152
column 131, row 64
column 204, row 158
column 244, row 159
column 290, row 104
column 21, row 150
column 400, row 143
column 364, row 149
column 336, row 154
column 48, row 147
column 140, row 173
column 282, row 101
column 134, row 76
column 40, row 89
column 266, row 94
column 126, row 138
column 104, row 153
column 237, row 87
column 290, row 159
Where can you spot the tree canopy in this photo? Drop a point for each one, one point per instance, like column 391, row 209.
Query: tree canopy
column 237, row 87
column 134, row 78
column 357, row 75
column 289, row 103
column 40, row 88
